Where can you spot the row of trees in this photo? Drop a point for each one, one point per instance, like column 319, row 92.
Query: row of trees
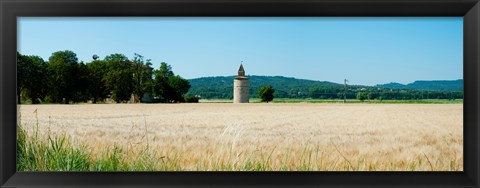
column 266, row 94
column 404, row 94
column 369, row 93
column 63, row 79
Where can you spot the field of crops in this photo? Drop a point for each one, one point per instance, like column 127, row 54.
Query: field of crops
column 255, row 136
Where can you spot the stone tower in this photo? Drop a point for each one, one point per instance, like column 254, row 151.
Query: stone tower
column 241, row 87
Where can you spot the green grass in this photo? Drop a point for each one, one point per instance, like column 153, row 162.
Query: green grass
column 54, row 154
column 58, row 154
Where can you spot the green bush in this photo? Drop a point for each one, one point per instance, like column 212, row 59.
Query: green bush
column 266, row 93
column 191, row 99
column 361, row 96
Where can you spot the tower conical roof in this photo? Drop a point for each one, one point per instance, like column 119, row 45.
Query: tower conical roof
column 241, row 71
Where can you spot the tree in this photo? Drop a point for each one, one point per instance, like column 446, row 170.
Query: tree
column 122, row 85
column 167, row 85
column 179, row 86
column 370, row 96
column 31, row 77
column 23, row 74
column 62, row 68
column 142, row 76
column 361, row 96
column 119, row 78
column 116, row 58
column 160, row 86
column 97, row 71
column 82, row 83
column 266, row 93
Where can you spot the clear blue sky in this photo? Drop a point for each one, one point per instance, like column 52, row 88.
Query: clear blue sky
column 366, row 51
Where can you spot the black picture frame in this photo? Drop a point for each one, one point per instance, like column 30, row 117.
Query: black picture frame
column 11, row 9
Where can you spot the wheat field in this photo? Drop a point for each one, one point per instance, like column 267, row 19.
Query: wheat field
column 260, row 136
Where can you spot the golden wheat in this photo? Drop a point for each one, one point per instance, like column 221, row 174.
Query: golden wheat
column 301, row 136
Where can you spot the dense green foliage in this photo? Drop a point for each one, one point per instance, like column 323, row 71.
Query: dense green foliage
column 62, row 69
column 62, row 79
column 30, row 73
column 266, row 93
column 361, row 96
column 222, row 88
column 97, row 70
column 168, row 85
column 142, row 76
column 192, row 99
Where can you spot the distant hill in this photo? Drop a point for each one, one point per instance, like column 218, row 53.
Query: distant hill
column 221, row 87
column 434, row 85
column 285, row 87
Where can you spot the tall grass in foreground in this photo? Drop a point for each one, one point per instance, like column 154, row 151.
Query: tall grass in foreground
column 57, row 153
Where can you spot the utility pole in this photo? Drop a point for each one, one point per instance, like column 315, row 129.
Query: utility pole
column 345, row 91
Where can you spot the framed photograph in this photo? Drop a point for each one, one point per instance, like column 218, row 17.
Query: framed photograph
column 239, row 93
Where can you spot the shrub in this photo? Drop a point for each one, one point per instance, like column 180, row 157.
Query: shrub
column 266, row 93
column 361, row 96
column 192, row 99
